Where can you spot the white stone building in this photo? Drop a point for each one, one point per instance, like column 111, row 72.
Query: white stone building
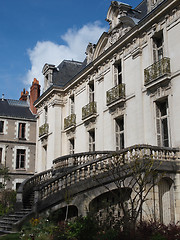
column 125, row 93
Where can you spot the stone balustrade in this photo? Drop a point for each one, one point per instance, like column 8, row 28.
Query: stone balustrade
column 78, row 159
column 115, row 93
column 43, row 130
column 86, row 166
column 89, row 110
column 157, row 70
column 105, row 163
column 70, row 121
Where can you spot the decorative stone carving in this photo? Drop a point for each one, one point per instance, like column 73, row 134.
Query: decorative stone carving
column 89, row 52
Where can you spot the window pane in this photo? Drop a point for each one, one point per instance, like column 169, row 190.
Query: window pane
column 1, row 126
column 119, row 128
column 0, row 155
column 22, row 128
column 20, row 159
column 165, row 132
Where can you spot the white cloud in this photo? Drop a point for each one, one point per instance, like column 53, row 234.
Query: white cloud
column 76, row 41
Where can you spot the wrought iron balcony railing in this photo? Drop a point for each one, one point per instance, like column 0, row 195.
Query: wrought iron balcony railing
column 115, row 93
column 70, row 121
column 43, row 130
column 89, row 110
column 157, row 69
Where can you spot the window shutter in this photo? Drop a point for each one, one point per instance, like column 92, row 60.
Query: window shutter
column 154, row 52
column 158, row 126
column 115, row 75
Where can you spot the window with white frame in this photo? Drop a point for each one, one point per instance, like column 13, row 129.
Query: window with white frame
column 20, row 158
column 162, row 123
column 91, row 91
column 22, row 130
column 158, row 46
column 92, row 140
column 71, row 146
column 1, row 126
column 119, row 132
column 118, row 73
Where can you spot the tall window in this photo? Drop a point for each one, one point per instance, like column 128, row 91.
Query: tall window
column 158, row 46
column 72, row 105
column 118, row 73
column 162, row 123
column 22, row 130
column 45, row 114
column 1, row 155
column 20, row 158
column 92, row 140
column 119, row 129
column 71, row 146
column 91, row 92
column 1, row 126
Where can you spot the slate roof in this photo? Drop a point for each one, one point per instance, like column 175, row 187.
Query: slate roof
column 66, row 70
column 142, row 9
column 15, row 109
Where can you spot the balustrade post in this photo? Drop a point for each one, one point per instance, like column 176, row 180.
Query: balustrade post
column 88, row 171
column 37, row 197
column 64, row 182
column 72, row 178
column 68, row 180
column 78, row 176
column 94, row 169
column 82, row 173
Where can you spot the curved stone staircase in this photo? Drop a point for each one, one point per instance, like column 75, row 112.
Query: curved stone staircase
column 67, row 171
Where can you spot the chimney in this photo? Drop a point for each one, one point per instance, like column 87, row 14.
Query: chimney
column 34, row 94
column 24, row 95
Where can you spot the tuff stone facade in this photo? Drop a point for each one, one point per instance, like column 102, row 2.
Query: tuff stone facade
column 125, row 93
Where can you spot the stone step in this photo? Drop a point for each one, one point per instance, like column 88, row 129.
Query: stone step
column 2, row 223
column 5, row 228
column 6, row 219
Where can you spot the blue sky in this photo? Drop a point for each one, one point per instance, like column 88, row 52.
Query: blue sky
column 33, row 32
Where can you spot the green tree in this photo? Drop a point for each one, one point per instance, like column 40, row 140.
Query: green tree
column 4, row 175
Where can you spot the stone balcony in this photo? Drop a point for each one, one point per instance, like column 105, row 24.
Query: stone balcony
column 157, row 72
column 43, row 130
column 70, row 122
column 115, row 94
column 89, row 111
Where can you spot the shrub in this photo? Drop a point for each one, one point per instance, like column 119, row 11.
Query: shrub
column 7, row 201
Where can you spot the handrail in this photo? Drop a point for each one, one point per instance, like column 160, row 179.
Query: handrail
column 89, row 110
column 29, row 184
column 157, row 70
column 115, row 93
column 101, row 165
column 77, row 158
